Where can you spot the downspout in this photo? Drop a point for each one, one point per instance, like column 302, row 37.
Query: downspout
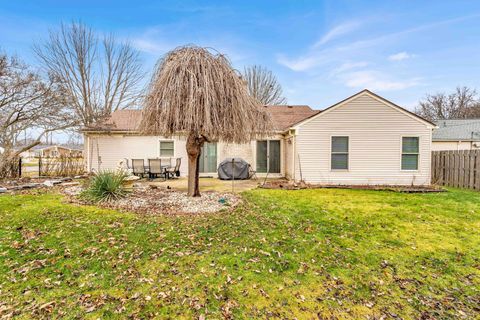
column 86, row 153
column 293, row 154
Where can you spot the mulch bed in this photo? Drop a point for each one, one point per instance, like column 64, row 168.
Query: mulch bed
column 289, row 185
column 165, row 202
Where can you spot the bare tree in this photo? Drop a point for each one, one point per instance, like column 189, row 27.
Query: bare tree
column 464, row 103
column 27, row 102
column 100, row 75
column 197, row 93
column 263, row 85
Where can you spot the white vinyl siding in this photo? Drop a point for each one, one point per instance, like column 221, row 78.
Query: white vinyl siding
column 113, row 148
column 375, row 132
column 116, row 147
column 288, row 156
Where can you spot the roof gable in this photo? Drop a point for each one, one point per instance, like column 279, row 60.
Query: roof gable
column 372, row 95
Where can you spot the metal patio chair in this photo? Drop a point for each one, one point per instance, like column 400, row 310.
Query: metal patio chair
column 252, row 174
column 172, row 172
column 138, row 167
column 156, row 169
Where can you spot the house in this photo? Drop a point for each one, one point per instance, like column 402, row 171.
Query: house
column 364, row 139
column 52, row 151
column 459, row 134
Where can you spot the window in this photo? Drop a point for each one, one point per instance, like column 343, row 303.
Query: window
column 166, row 149
column 339, row 159
column 410, row 153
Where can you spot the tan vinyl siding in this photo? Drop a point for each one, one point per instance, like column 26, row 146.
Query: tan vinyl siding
column 375, row 133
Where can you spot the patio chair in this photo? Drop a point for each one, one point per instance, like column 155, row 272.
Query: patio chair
column 156, row 169
column 138, row 166
column 252, row 174
column 172, row 172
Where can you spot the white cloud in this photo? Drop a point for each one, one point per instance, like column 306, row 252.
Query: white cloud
column 337, row 31
column 349, row 66
column 299, row 64
column 151, row 46
column 400, row 56
column 314, row 57
column 376, row 80
column 317, row 56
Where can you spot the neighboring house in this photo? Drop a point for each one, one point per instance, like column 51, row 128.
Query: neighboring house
column 364, row 139
column 73, row 150
column 52, row 151
column 461, row 134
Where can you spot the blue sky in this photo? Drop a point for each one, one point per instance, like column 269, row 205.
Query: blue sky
column 321, row 51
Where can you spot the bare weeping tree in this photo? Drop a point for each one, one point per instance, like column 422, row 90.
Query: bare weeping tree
column 196, row 93
column 463, row 103
column 28, row 103
column 263, row 85
column 100, row 74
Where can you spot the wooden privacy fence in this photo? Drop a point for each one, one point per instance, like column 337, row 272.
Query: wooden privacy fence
column 460, row 169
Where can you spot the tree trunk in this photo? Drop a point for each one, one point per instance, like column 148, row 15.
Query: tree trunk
column 194, row 148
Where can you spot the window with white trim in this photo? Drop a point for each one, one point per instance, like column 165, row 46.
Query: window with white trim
column 410, row 153
column 339, row 156
column 166, row 148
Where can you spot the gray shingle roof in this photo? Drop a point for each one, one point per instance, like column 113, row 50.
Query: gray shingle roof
column 465, row 130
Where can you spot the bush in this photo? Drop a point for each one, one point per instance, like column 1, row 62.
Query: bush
column 105, row 186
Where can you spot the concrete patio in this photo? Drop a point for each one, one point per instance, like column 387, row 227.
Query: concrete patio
column 209, row 184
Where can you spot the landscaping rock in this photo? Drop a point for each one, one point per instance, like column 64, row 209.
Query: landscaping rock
column 158, row 201
column 30, row 185
column 132, row 178
column 3, row 190
column 51, row 183
column 70, row 184
column 72, row 190
column 139, row 186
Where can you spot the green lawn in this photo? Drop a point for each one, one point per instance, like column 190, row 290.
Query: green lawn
column 307, row 254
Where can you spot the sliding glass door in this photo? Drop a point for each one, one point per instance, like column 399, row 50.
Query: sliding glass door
column 268, row 156
column 208, row 158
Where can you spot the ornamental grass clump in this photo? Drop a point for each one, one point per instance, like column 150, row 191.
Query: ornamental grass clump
column 106, row 186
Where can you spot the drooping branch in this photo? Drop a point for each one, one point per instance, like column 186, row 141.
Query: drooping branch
column 197, row 93
column 194, row 90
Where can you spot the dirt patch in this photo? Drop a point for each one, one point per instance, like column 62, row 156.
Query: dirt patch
column 161, row 201
column 288, row 185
